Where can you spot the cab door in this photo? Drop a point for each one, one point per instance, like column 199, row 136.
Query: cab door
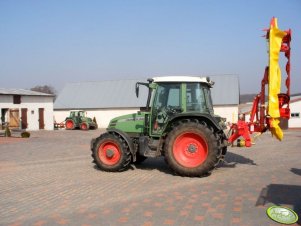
column 167, row 98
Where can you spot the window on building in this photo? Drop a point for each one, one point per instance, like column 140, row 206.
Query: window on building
column 295, row 115
column 17, row 99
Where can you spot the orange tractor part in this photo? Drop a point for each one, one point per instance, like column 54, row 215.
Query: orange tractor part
column 262, row 117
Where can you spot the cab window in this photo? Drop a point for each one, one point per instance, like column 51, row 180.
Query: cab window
column 195, row 98
column 168, row 95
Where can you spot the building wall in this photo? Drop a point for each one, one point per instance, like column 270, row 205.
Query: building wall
column 32, row 103
column 230, row 112
column 295, row 122
column 103, row 116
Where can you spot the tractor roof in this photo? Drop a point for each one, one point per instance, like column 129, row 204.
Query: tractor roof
column 76, row 110
column 206, row 80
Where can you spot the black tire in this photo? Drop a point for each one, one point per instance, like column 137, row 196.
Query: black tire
column 191, row 149
column 94, row 126
column 222, row 151
column 107, row 144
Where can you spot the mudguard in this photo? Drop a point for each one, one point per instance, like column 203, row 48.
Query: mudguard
column 205, row 117
column 127, row 139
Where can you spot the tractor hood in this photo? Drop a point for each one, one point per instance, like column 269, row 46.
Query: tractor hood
column 131, row 123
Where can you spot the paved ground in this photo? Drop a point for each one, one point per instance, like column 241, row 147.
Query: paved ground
column 49, row 179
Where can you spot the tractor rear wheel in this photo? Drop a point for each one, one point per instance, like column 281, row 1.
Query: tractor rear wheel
column 191, row 149
column 69, row 124
column 93, row 126
column 111, row 153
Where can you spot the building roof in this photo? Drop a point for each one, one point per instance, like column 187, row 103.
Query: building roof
column 121, row 94
column 101, row 94
column 22, row 92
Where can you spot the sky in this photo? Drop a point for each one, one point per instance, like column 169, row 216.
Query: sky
column 57, row 42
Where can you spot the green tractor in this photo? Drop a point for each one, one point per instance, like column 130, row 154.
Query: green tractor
column 78, row 119
column 178, row 123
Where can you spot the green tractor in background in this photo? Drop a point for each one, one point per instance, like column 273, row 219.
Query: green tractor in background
column 78, row 119
column 178, row 123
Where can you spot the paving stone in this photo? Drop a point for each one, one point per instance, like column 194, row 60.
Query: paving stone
column 49, row 179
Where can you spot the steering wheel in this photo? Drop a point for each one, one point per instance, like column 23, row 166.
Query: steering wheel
column 173, row 110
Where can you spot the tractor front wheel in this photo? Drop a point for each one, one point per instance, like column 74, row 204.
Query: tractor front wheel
column 69, row 124
column 111, row 153
column 191, row 149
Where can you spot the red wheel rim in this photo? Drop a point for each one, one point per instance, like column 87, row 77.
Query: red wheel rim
column 69, row 124
column 190, row 149
column 109, row 153
column 84, row 126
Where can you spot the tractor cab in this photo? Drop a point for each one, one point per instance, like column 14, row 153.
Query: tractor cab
column 78, row 114
column 174, row 96
column 181, row 97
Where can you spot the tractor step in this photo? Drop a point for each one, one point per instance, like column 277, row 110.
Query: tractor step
column 148, row 147
column 228, row 164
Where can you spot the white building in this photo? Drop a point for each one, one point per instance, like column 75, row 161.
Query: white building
column 293, row 122
column 105, row 100
column 26, row 109
column 295, row 106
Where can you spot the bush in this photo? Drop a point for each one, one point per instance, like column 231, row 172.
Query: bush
column 7, row 132
column 25, row 134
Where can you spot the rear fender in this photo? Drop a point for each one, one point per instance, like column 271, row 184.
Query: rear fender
column 208, row 119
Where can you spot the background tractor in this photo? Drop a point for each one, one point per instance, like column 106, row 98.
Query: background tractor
column 78, row 119
column 177, row 123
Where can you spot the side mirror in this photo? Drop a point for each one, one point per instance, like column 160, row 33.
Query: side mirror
column 137, row 89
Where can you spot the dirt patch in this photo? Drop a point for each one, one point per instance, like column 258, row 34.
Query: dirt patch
column 10, row 140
